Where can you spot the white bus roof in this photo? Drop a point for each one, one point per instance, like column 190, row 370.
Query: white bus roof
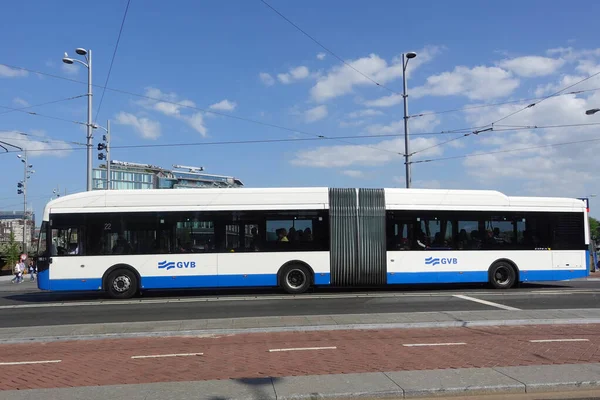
column 294, row 198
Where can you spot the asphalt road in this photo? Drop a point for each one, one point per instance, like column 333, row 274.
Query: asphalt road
column 26, row 306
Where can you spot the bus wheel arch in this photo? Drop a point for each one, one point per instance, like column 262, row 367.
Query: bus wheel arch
column 121, row 281
column 503, row 274
column 295, row 277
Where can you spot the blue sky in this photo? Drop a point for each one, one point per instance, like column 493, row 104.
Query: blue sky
column 240, row 58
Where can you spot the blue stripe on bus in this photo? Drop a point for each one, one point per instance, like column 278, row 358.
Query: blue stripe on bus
column 587, row 261
column 321, row 279
column 400, row 278
column 480, row 276
column 174, row 282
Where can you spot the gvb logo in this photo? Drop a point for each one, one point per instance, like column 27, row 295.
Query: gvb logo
column 438, row 260
column 432, row 261
column 172, row 264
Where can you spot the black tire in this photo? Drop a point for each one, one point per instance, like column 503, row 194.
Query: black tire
column 295, row 279
column 502, row 275
column 122, row 284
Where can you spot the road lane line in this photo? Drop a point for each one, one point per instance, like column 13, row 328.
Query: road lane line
column 303, row 348
column 168, row 355
column 558, row 340
column 30, row 362
column 433, row 344
column 488, row 303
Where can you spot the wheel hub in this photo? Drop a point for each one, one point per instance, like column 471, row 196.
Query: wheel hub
column 121, row 283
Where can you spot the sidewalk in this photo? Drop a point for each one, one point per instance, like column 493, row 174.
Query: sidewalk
column 403, row 384
column 400, row 363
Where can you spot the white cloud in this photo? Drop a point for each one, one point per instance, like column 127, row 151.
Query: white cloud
column 385, row 101
column 36, row 146
column 353, row 123
column 196, row 121
column 353, row 173
column 321, row 56
column 557, row 171
column 70, row 69
column 365, row 113
column 20, row 102
column 381, row 153
column 316, row 114
column 529, row 66
column 342, row 79
column 476, row 83
column 266, row 78
column 172, row 106
column 295, row 74
column 421, row 124
column 224, row 105
column 145, row 127
column 7, row 72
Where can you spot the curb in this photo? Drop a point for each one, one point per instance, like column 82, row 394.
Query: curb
column 312, row 328
column 574, row 378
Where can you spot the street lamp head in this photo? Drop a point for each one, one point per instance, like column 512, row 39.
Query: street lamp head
column 80, row 51
column 411, row 54
column 592, row 111
column 19, row 156
column 67, row 60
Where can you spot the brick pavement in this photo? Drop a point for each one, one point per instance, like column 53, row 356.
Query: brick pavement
column 108, row 362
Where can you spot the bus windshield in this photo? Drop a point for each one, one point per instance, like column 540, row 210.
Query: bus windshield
column 42, row 242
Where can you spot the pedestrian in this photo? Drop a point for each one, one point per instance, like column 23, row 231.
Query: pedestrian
column 18, row 271
column 31, row 271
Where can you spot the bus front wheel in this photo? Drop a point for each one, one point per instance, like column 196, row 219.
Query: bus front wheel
column 502, row 275
column 295, row 279
column 122, row 284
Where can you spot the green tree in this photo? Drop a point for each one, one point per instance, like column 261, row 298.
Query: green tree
column 11, row 251
column 594, row 227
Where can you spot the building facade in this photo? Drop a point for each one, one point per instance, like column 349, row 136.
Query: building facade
column 127, row 175
column 12, row 221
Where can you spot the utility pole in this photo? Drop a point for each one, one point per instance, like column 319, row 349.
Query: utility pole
column 22, row 189
column 106, row 147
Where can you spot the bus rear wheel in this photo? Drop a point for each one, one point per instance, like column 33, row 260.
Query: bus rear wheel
column 295, row 279
column 122, row 284
column 502, row 275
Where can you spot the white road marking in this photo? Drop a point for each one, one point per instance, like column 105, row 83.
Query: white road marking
column 30, row 362
column 169, row 355
column 303, row 348
column 558, row 340
column 433, row 344
column 487, row 303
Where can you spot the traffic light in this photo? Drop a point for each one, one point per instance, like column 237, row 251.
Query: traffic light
column 101, row 156
column 19, row 191
column 101, row 146
column 20, row 184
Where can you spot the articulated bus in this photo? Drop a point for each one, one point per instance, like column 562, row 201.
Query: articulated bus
column 126, row 241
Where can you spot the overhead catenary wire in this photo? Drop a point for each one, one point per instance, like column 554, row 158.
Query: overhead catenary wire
column 507, row 151
column 45, row 139
column 112, row 61
column 326, row 48
column 183, row 105
column 497, row 104
column 265, row 141
column 40, row 104
column 490, row 126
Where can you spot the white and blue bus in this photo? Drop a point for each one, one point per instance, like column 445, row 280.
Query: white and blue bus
column 127, row 241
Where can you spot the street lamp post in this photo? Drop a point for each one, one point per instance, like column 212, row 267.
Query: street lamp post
column 88, row 64
column 592, row 111
column 106, row 147
column 22, row 189
column 406, row 56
